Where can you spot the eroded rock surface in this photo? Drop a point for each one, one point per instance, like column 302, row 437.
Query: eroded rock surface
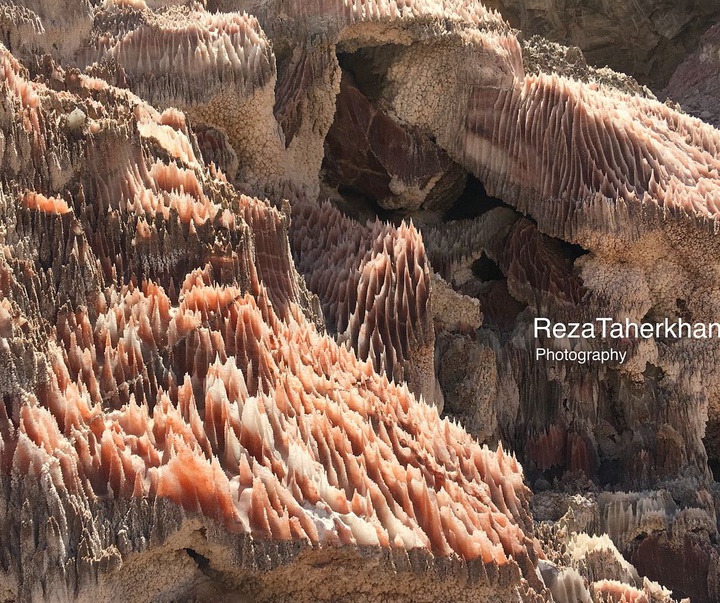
column 644, row 38
column 695, row 83
column 369, row 152
column 218, row 384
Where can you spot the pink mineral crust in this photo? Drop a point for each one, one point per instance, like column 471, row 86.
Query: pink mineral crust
column 293, row 445
column 374, row 284
column 187, row 57
column 176, row 357
column 611, row 591
column 209, row 393
column 380, row 11
column 562, row 150
column 275, row 431
column 41, row 203
column 572, row 145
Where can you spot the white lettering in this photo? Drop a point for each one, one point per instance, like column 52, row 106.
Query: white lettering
column 545, row 327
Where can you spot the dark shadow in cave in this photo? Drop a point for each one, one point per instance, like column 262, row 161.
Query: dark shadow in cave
column 369, row 67
column 571, row 251
column 474, row 201
column 714, row 465
column 486, row 269
column 359, row 206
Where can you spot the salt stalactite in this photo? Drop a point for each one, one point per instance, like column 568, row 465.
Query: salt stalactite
column 627, row 178
column 374, row 284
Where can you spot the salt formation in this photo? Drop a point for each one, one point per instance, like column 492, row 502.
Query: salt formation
column 186, row 414
column 183, row 377
column 368, row 151
column 374, row 284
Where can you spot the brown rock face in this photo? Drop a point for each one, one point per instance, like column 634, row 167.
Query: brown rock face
column 696, row 83
column 646, row 39
column 399, row 168
column 686, row 564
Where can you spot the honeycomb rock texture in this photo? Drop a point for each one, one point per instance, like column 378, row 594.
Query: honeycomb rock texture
column 216, row 384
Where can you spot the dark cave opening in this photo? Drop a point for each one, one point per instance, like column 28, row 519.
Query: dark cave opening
column 474, row 201
column 571, row 251
column 714, row 466
column 368, row 67
column 486, row 269
column 356, row 178
column 203, row 562
column 361, row 207
column 375, row 165
column 610, row 472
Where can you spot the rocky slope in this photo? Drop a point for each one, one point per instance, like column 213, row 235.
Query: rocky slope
column 695, row 85
column 221, row 380
column 647, row 39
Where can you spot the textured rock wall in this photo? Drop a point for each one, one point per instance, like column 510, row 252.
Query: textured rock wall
column 169, row 406
column 210, row 393
column 695, row 84
column 644, row 38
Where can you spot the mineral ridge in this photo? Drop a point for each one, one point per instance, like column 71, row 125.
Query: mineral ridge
column 221, row 381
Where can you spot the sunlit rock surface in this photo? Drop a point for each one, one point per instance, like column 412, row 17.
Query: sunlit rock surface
column 216, row 383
